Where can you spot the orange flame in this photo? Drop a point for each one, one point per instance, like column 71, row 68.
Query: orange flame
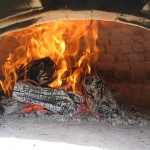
column 70, row 44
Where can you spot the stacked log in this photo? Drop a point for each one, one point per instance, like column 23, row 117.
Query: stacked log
column 97, row 98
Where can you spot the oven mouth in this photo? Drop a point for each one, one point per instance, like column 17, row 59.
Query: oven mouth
column 121, row 55
column 119, row 52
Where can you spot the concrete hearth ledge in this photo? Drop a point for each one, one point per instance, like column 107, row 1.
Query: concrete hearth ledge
column 31, row 133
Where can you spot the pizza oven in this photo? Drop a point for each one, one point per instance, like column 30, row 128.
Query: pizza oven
column 75, row 74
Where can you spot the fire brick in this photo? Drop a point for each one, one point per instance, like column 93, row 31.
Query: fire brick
column 138, row 39
column 126, row 40
column 136, row 57
column 107, row 57
column 122, row 66
column 138, row 33
column 125, row 49
column 103, row 33
column 146, row 85
column 147, row 45
column 115, row 40
column 115, row 33
column 148, row 75
column 122, row 75
column 139, row 48
column 107, row 66
column 147, row 56
column 145, row 98
column 121, row 57
column 103, row 41
column 136, row 85
column 111, row 49
column 139, row 75
column 146, row 35
column 148, row 65
column 127, row 96
column 138, row 66
column 137, row 97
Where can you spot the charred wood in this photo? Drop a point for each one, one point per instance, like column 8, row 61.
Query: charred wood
column 98, row 97
column 56, row 100
column 40, row 71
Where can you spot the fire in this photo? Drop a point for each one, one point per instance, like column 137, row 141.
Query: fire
column 70, row 44
column 31, row 108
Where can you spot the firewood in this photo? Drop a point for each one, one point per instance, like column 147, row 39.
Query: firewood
column 40, row 71
column 98, row 97
column 56, row 100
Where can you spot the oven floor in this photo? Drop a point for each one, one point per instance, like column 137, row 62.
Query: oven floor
column 31, row 133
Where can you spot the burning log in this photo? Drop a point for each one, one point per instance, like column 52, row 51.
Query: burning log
column 98, row 97
column 40, row 71
column 56, row 100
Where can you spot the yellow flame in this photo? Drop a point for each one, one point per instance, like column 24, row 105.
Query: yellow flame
column 70, row 44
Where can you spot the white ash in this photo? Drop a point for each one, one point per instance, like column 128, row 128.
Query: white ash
column 125, row 118
column 128, row 116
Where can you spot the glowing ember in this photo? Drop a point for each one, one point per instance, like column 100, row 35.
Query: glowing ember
column 32, row 108
column 70, row 44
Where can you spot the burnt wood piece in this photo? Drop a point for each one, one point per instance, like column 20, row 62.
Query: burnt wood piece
column 55, row 100
column 40, row 71
column 98, row 97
